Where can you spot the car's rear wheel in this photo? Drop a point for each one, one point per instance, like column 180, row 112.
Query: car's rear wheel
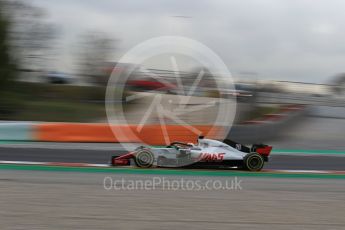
column 144, row 158
column 253, row 162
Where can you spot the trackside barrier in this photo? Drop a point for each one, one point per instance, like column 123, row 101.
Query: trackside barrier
column 14, row 131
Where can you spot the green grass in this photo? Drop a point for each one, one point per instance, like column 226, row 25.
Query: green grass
column 58, row 111
column 48, row 102
column 39, row 91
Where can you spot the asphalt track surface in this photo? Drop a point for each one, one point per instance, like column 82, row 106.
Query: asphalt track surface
column 70, row 200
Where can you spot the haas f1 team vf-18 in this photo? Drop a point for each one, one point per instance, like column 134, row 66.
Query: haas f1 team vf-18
column 205, row 153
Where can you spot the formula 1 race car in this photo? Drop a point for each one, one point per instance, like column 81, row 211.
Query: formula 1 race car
column 205, row 153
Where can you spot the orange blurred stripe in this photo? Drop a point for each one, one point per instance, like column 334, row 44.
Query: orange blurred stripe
column 150, row 134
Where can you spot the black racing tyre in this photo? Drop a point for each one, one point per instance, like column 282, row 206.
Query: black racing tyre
column 253, row 162
column 144, row 158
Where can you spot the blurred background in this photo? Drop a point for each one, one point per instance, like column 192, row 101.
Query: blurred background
column 56, row 59
column 286, row 59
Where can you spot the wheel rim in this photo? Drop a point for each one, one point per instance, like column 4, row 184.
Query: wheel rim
column 144, row 159
column 255, row 162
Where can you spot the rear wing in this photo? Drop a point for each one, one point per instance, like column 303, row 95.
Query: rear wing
column 264, row 150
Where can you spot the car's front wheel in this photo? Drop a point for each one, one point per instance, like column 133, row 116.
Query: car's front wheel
column 253, row 162
column 144, row 158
